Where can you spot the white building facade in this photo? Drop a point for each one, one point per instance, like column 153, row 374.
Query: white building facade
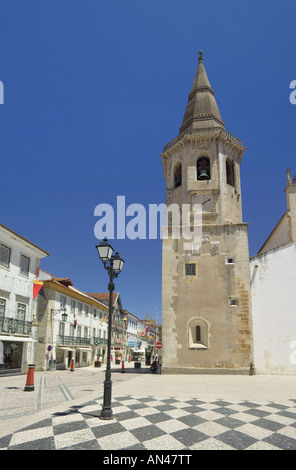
column 80, row 336
column 19, row 262
column 273, row 294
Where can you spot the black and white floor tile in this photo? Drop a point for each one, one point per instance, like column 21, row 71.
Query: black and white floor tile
column 145, row 423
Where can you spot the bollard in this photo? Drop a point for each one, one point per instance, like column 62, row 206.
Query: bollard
column 29, row 387
column 122, row 367
column 72, row 365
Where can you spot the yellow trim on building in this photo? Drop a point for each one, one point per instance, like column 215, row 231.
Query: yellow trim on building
column 76, row 295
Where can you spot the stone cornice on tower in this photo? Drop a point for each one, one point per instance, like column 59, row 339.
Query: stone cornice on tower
column 205, row 135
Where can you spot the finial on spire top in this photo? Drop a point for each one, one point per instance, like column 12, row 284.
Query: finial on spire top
column 200, row 56
column 289, row 179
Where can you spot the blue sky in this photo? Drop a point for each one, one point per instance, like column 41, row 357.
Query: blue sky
column 93, row 92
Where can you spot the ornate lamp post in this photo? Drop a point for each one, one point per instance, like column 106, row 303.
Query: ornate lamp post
column 113, row 264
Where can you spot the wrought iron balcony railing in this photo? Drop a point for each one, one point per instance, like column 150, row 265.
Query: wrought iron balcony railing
column 15, row 326
column 73, row 341
column 101, row 341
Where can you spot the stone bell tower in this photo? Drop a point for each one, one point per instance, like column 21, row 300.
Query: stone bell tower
column 206, row 318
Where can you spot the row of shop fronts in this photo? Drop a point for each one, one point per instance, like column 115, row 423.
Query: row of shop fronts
column 46, row 321
column 16, row 352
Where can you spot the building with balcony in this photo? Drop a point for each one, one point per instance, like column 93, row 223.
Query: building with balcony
column 71, row 325
column 118, row 335
column 140, row 335
column 19, row 263
column 133, row 339
column 149, row 333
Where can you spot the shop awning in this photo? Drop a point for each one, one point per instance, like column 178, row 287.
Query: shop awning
column 85, row 349
column 65, row 349
column 22, row 339
column 138, row 350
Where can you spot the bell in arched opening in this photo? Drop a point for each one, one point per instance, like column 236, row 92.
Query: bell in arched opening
column 203, row 169
column 203, row 175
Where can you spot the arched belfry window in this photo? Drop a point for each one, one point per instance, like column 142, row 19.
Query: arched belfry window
column 178, row 175
column 203, row 169
column 230, row 172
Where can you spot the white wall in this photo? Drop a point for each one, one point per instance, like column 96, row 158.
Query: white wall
column 273, row 293
column 16, row 287
column 12, row 282
column 83, row 320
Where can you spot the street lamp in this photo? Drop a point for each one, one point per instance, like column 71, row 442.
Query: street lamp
column 113, row 264
column 55, row 311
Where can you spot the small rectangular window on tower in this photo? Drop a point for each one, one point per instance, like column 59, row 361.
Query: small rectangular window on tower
column 234, row 301
column 229, row 259
column 190, row 269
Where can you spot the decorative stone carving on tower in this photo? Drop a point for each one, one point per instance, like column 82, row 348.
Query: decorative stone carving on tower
column 206, row 291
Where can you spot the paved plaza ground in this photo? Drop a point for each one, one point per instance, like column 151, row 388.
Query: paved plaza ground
column 152, row 412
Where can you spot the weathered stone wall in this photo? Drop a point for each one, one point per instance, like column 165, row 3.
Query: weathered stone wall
column 207, row 296
column 216, row 300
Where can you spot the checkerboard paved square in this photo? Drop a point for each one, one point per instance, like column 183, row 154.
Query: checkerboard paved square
column 147, row 423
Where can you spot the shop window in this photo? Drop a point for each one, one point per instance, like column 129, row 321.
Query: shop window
column 203, row 169
column 10, row 355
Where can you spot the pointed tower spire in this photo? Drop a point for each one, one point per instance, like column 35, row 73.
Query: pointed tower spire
column 202, row 111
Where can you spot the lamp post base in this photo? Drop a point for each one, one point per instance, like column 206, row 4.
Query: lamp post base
column 106, row 414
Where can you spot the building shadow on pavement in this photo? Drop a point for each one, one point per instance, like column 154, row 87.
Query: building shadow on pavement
column 132, row 370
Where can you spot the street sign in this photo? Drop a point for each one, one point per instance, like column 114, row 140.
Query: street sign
column 158, row 345
column 49, row 348
column 96, row 343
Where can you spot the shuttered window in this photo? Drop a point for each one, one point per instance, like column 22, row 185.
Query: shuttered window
column 5, row 255
column 190, row 269
column 2, row 307
column 25, row 265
